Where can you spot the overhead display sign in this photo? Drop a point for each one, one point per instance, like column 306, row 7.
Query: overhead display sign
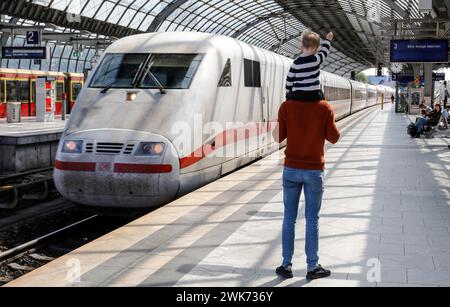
column 405, row 79
column 411, row 78
column 419, row 51
column 37, row 53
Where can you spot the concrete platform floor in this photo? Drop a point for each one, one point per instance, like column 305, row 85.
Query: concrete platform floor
column 29, row 127
column 385, row 222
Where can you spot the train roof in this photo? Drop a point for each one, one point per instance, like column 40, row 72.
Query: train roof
column 183, row 42
column 73, row 74
column 30, row 72
column 188, row 42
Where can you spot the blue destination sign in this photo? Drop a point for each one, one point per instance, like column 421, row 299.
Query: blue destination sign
column 37, row 53
column 419, row 51
column 405, row 79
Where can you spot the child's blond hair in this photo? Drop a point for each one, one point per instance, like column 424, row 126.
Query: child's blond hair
column 310, row 39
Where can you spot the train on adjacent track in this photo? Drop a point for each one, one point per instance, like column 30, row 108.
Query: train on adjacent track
column 18, row 85
column 121, row 147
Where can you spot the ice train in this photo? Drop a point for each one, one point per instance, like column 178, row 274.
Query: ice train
column 121, row 147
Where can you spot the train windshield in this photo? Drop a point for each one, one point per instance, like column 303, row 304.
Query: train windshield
column 118, row 70
column 170, row 71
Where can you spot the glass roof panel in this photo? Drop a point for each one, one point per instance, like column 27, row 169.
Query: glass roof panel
column 263, row 23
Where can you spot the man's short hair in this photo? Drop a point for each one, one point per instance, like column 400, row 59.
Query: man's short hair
column 310, row 39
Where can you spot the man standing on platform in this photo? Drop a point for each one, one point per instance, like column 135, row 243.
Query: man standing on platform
column 306, row 120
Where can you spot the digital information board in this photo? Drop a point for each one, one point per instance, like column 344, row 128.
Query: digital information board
column 419, row 51
column 402, row 78
column 405, row 79
column 37, row 53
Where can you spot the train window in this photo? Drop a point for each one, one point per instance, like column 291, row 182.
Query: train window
column 248, row 73
column 76, row 89
column 171, row 71
column 2, row 91
column 360, row 94
column 336, row 94
column 118, row 70
column 11, row 91
column 256, row 74
column 252, row 73
column 225, row 79
column 24, row 91
column 59, row 91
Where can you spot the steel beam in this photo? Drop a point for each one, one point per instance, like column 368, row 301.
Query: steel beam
column 44, row 14
column 256, row 22
column 397, row 8
column 164, row 14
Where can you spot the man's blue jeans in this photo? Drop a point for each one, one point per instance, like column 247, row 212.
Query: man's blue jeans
column 294, row 181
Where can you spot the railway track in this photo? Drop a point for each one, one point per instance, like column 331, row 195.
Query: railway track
column 47, row 226
column 75, row 229
column 36, row 185
column 36, row 244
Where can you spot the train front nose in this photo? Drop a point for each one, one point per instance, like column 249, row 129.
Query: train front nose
column 123, row 169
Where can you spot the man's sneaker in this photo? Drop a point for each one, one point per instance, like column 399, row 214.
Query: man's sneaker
column 317, row 273
column 285, row 272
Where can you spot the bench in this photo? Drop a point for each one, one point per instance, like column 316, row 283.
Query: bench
column 441, row 129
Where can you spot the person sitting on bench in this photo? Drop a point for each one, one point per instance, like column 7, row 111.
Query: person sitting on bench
column 432, row 120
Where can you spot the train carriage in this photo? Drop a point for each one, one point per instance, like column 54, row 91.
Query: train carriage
column 18, row 85
column 337, row 90
column 359, row 96
column 372, row 95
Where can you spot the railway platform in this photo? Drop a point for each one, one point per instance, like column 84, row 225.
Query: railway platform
column 385, row 222
column 28, row 145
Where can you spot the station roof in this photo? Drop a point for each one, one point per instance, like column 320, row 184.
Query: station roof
column 271, row 24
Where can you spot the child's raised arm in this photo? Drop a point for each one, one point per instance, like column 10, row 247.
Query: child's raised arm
column 326, row 48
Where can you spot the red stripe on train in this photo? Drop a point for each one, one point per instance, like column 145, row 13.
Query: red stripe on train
column 123, row 168
column 227, row 138
column 75, row 166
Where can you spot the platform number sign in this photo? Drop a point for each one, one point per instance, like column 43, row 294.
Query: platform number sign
column 33, row 38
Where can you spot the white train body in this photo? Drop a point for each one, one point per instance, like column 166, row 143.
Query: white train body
column 103, row 158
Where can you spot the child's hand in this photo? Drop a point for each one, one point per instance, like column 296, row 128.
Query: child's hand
column 330, row 36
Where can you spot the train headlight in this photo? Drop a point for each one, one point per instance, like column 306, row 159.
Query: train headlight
column 73, row 147
column 150, row 149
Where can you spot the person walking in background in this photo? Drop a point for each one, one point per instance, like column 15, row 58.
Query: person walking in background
column 306, row 123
